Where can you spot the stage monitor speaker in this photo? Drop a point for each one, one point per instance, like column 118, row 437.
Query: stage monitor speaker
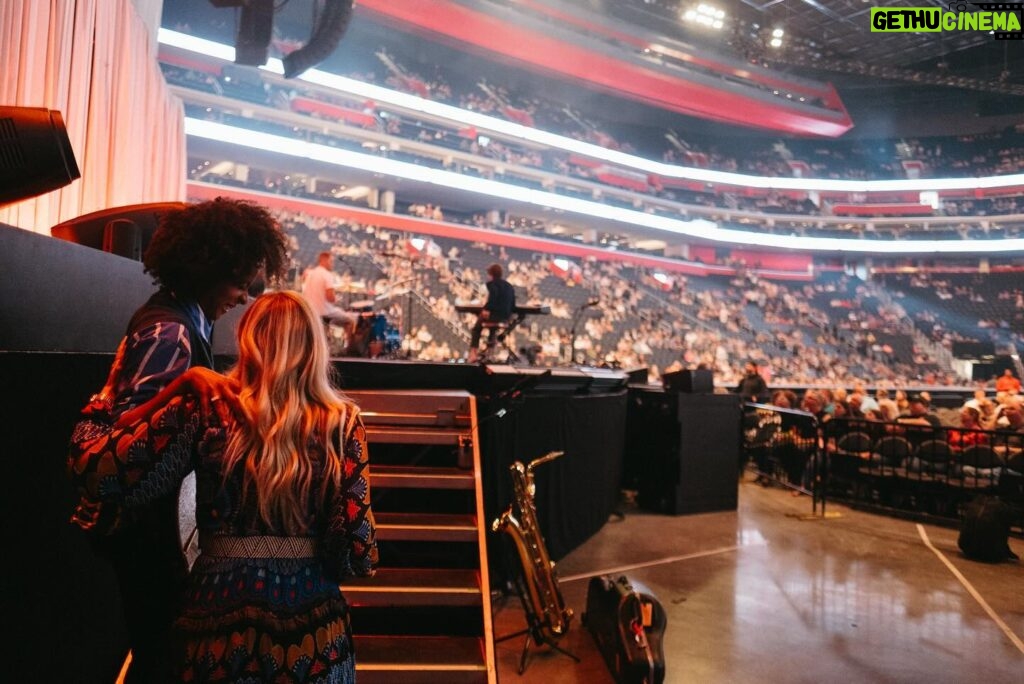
column 125, row 231
column 637, row 376
column 689, row 381
column 35, row 153
column 124, row 238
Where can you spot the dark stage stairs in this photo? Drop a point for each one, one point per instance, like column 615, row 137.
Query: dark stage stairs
column 426, row 615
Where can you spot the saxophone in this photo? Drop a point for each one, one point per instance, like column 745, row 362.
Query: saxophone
column 541, row 595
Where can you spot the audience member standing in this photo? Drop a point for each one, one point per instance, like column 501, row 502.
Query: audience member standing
column 1008, row 383
column 752, row 387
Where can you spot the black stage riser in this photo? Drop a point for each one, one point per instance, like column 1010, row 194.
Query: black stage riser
column 682, row 452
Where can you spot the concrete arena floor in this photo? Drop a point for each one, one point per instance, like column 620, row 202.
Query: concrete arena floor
column 763, row 595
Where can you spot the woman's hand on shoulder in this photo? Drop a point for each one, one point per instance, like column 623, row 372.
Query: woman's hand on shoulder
column 217, row 394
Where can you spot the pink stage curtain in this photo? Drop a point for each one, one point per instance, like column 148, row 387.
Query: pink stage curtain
column 93, row 60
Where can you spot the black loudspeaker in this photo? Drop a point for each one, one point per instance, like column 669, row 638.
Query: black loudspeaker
column 688, row 459
column 35, row 153
column 709, row 453
column 690, row 381
column 255, row 29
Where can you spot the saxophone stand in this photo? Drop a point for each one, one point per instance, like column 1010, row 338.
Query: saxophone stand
column 534, row 631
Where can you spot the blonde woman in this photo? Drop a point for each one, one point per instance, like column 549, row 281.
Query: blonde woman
column 283, row 504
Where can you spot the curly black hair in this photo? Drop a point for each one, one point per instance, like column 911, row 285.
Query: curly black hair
column 202, row 246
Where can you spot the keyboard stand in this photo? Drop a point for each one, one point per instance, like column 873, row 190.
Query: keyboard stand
column 502, row 330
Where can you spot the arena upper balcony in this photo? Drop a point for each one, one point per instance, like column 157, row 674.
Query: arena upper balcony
column 600, row 197
column 569, row 42
column 794, row 171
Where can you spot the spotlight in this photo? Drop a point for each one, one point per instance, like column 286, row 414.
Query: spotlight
column 706, row 15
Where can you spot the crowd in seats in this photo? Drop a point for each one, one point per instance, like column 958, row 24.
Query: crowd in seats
column 945, row 315
column 613, row 314
column 776, row 160
column 190, row 78
column 984, row 207
column 945, row 156
column 769, row 206
column 954, row 307
column 893, row 450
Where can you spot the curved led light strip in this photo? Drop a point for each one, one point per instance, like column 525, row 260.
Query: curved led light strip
column 507, row 128
column 698, row 228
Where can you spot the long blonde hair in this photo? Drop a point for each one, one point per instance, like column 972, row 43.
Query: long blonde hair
column 287, row 397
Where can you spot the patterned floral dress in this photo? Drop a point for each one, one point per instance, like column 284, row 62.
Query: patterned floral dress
column 261, row 606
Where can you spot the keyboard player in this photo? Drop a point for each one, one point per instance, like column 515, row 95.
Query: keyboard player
column 501, row 300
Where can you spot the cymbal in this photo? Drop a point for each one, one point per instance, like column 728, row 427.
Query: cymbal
column 356, row 287
column 361, row 304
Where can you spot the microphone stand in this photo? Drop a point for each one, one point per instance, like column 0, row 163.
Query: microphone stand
column 575, row 322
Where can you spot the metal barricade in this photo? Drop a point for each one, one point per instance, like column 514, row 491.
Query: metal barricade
column 784, row 446
column 920, row 470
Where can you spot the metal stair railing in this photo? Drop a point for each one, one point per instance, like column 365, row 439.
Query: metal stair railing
column 426, row 614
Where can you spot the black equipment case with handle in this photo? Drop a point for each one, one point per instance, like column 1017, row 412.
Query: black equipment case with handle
column 985, row 529
column 628, row 624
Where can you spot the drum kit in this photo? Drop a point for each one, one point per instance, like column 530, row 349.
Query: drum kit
column 372, row 336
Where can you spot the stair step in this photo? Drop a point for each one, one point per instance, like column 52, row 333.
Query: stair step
column 422, row 478
column 416, row 660
column 426, row 527
column 413, row 435
column 415, row 587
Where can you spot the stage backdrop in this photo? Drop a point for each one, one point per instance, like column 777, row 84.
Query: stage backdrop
column 94, row 62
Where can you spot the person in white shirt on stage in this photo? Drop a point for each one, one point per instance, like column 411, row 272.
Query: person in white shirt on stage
column 318, row 289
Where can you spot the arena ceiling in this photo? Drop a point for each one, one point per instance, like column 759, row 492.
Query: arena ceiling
column 842, row 28
column 829, row 35
column 891, row 83
column 829, row 28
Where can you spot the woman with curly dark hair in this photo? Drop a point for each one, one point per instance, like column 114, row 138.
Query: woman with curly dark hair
column 211, row 252
column 204, row 259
